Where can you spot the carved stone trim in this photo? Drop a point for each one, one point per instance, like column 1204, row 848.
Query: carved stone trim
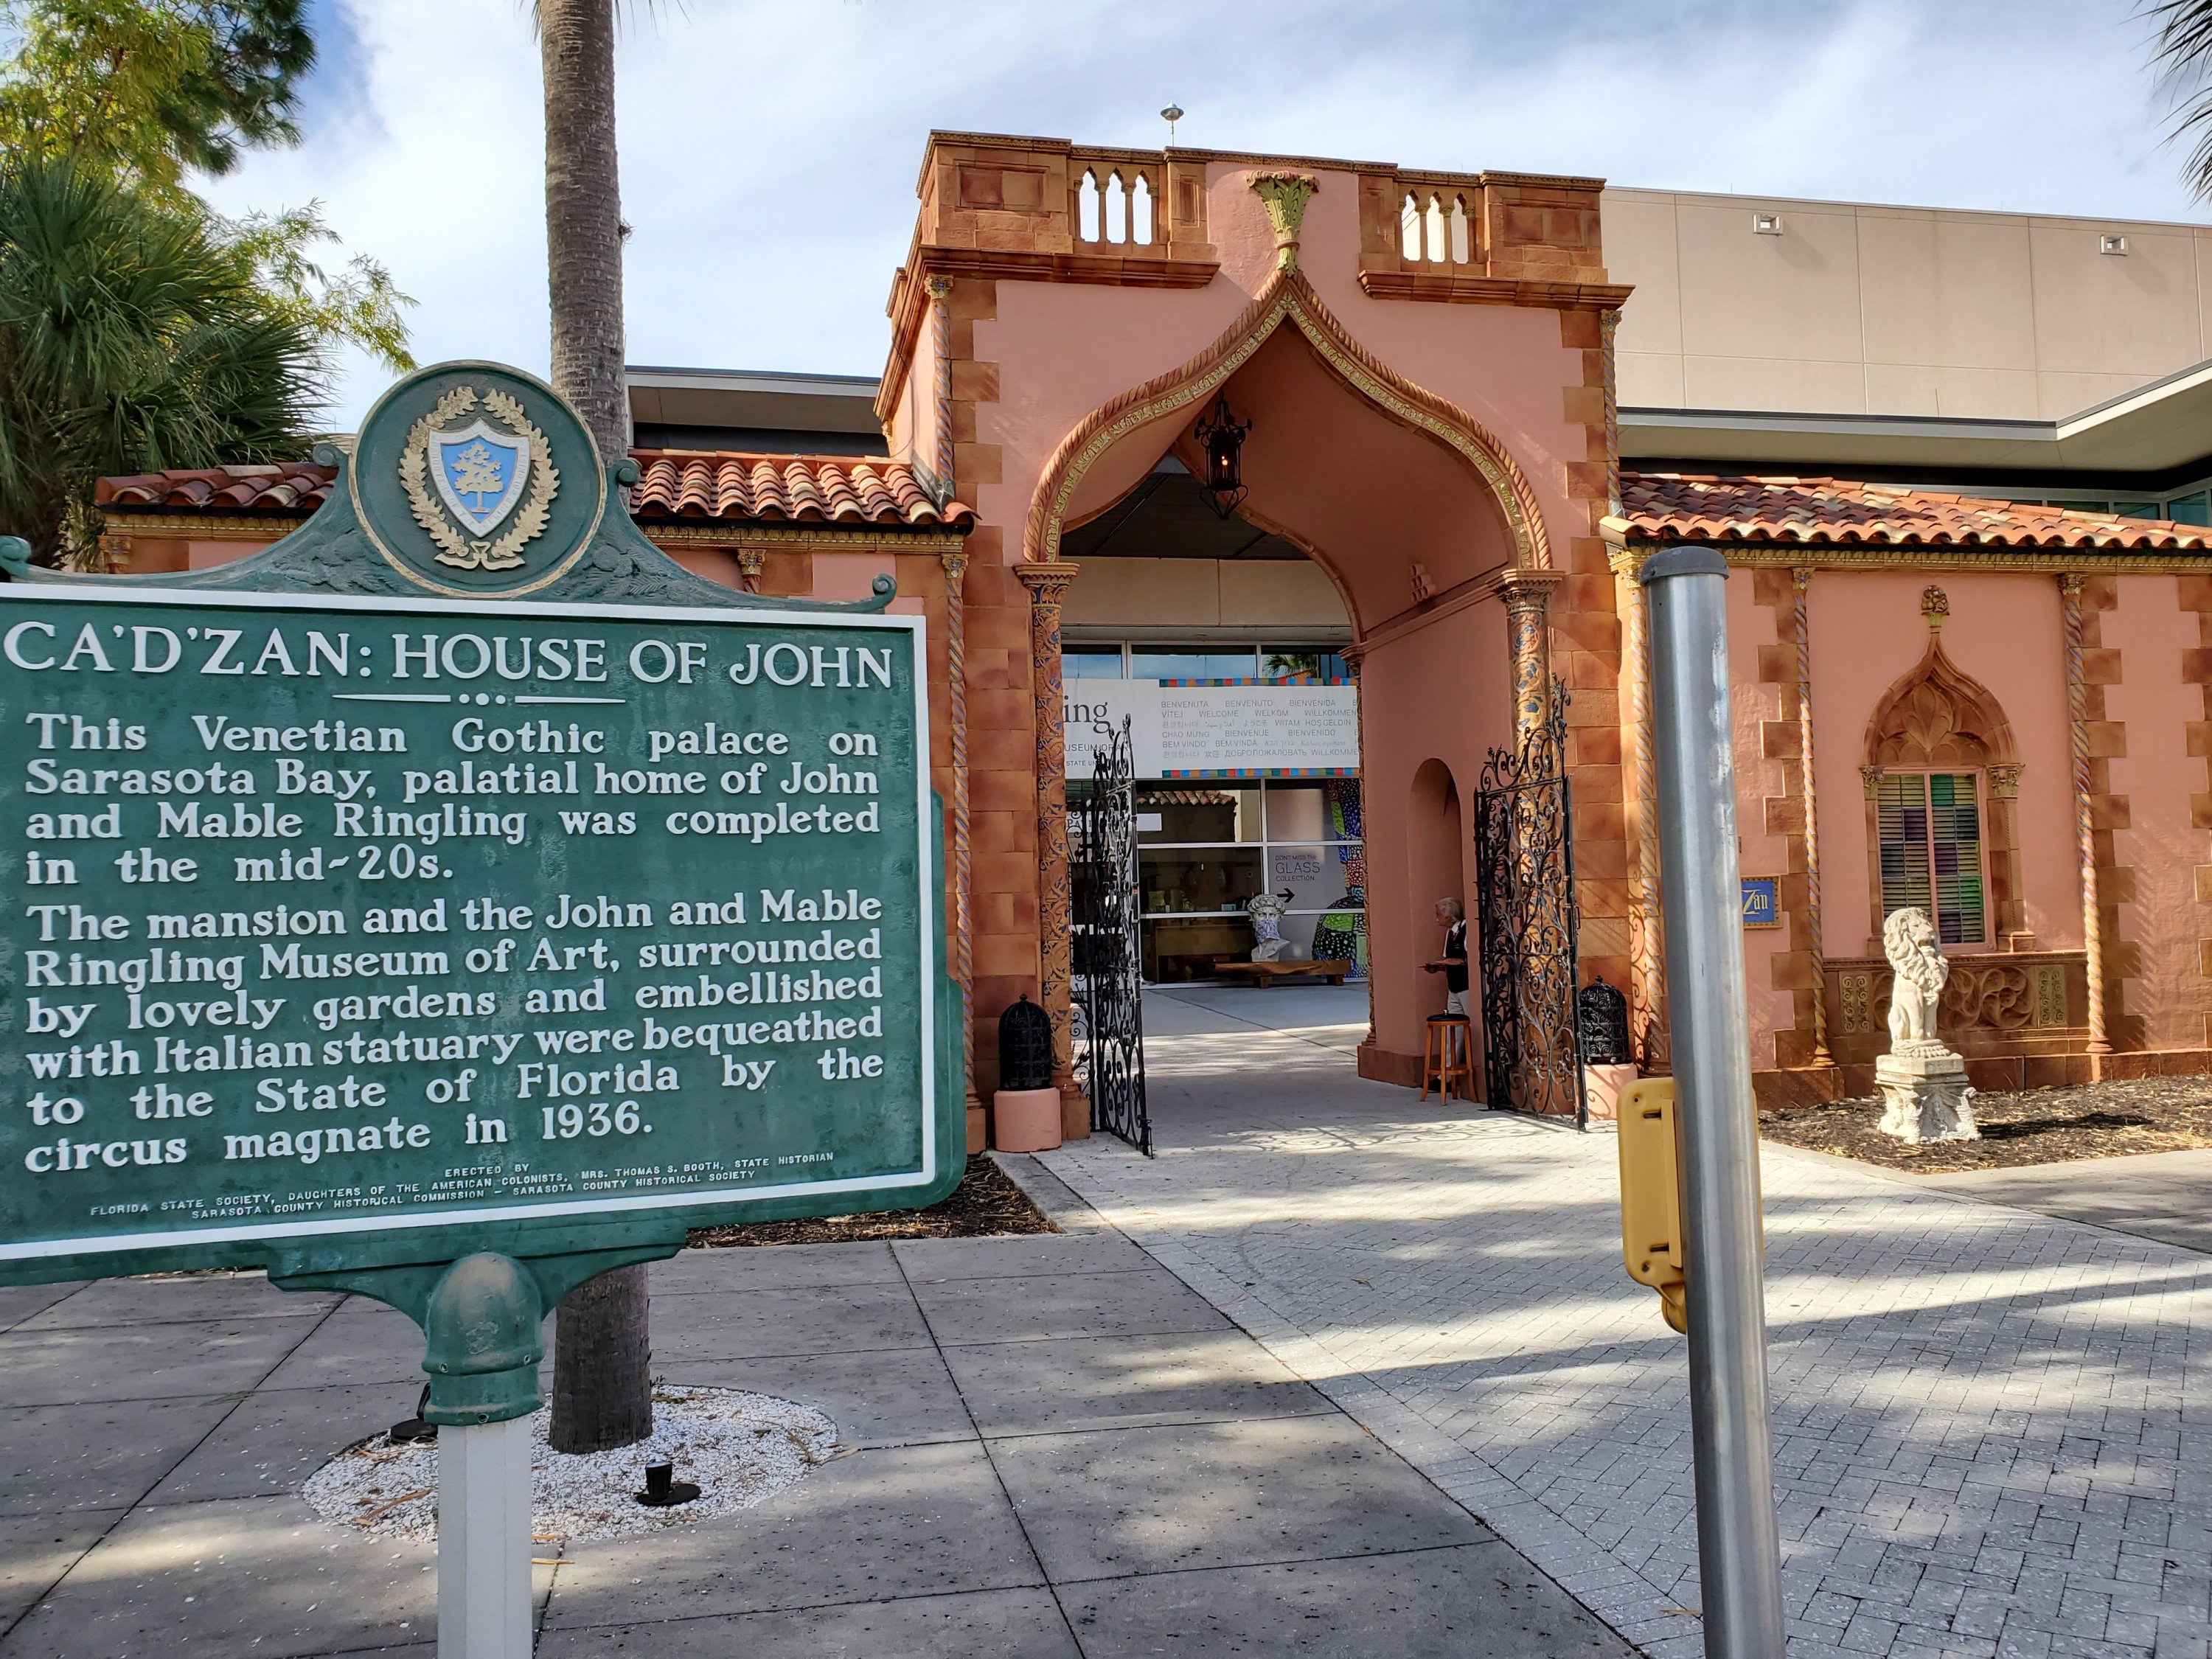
column 2004, row 779
column 1288, row 297
column 2053, row 561
column 1286, row 196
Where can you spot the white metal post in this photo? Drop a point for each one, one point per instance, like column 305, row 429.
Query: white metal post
column 484, row 1541
column 1739, row 1553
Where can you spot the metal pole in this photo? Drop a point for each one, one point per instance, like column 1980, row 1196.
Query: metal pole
column 1738, row 1555
column 484, row 1541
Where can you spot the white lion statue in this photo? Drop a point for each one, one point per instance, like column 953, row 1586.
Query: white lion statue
column 1267, row 913
column 1908, row 939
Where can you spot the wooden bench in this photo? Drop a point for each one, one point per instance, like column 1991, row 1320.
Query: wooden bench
column 1273, row 973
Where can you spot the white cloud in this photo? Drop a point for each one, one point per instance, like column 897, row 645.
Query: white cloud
column 769, row 148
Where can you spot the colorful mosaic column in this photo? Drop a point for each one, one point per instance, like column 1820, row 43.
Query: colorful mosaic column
column 1801, row 580
column 1048, row 585
column 2085, row 826
column 1528, row 595
column 963, row 890
column 1647, row 984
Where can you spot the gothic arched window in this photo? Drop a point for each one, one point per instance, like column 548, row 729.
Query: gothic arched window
column 1942, row 772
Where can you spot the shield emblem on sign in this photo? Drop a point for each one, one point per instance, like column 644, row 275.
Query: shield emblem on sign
column 480, row 473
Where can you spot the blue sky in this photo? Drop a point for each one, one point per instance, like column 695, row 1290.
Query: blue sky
column 769, row 150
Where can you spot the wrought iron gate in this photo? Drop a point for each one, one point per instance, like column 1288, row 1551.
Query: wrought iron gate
column 1106, row 952
column 1525, row 886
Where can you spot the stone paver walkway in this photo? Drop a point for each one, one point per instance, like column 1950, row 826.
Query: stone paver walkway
column 1060, row 1452
column 1991, row 1426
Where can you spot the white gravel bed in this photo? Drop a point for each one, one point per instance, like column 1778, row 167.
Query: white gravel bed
column 737, row 1447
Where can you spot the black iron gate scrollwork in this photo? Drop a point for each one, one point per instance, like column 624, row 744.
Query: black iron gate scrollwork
column 1525, row 905
column 1107, row 959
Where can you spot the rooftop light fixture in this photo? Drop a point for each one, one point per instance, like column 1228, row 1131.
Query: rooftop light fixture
column 1766, row 224
column 1222, row 435
column 1172, row 114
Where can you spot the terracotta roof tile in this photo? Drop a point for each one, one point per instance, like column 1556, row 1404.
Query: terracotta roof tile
column 702, row 487
column 293, row 489
column 811, row 489
column 1677, row 507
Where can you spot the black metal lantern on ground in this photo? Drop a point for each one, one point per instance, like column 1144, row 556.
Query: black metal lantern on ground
column 1222, row 436
column 1601, row 1013
column 1024, row 1048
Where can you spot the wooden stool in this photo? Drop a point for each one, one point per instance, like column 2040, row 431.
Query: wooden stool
column 1450, row 1056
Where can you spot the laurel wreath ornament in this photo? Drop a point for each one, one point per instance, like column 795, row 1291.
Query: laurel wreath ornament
column 530, row 519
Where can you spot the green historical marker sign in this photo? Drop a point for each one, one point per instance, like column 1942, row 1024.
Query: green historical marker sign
column 543, row 901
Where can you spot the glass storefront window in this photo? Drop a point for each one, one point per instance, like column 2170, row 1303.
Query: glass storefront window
column 1090, row 665
column 1287, row 665
column 1184, row 880
column 1207, row 848
column 1312, row 811
column 1192, row 665
column 1198, row 814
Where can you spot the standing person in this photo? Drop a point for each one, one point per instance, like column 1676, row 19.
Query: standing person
column 1451, row 916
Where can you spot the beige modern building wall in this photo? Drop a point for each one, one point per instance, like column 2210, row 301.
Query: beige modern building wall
column 1263, row 600
column 1848, row 308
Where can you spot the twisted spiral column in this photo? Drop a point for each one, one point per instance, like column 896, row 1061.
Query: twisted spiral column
column 1048, row 585
column 1648, row 962
column 2085, row 826
column 940, row 339
column 963, row 891
column 1801, row 580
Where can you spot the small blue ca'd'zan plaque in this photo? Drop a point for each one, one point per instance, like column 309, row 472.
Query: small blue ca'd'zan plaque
column 1761, row 904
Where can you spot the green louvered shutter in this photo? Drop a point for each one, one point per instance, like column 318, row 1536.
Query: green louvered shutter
column 1930, row 828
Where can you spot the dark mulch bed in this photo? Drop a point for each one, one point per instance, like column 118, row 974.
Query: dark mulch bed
column 985, row 1205
column 2038, row 1125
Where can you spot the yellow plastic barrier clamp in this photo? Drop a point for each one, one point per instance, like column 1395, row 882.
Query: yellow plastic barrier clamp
column 1651, row 1195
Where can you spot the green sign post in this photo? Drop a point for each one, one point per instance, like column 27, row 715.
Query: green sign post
column 455, row 901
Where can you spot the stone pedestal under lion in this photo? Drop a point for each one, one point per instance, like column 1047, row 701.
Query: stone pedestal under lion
column 1924, row 1091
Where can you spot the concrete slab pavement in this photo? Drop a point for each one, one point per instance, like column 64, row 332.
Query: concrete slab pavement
column 2166, row 1196
column 1061, row 1452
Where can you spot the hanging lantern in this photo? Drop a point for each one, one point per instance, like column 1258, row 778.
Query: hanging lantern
column 1222, row 436
column 1025, row 1047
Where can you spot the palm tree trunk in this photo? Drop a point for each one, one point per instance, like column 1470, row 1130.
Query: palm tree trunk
column 583, row 216
column 602, row 1372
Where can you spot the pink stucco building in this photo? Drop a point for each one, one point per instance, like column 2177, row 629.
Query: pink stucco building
column 1472, row 404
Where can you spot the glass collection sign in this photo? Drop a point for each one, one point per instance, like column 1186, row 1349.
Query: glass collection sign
column 340, row 915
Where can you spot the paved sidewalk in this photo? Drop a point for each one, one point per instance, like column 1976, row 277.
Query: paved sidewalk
column 1991, row 1426
column 1062, row 1454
